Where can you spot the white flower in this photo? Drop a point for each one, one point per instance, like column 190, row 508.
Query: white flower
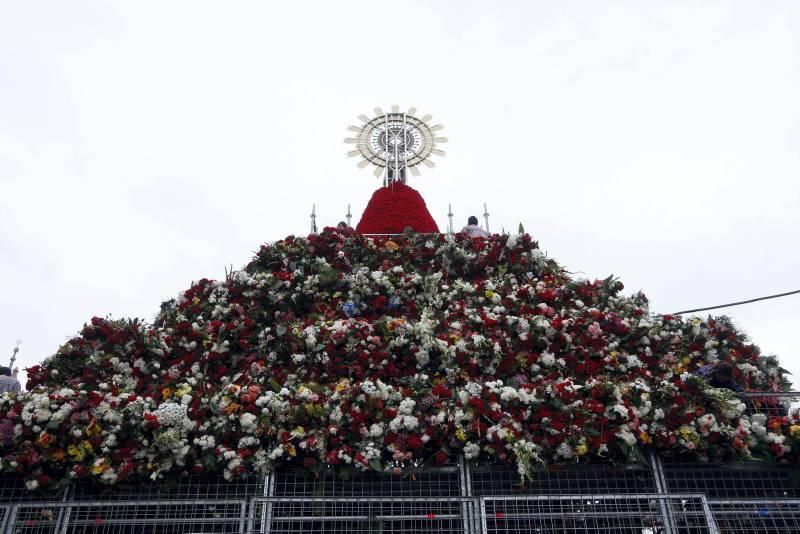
column 170, row 413
column 471, row 450
column 565, row 451
column 547, row 359
column 407, row 406
column 205, row 442
column 276, row 453
column 409, row 422
column 248, row 421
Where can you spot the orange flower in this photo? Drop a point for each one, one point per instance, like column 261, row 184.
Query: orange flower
column 45, row 439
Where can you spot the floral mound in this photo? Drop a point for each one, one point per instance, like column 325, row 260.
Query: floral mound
column 391, row 209
column 376, row 354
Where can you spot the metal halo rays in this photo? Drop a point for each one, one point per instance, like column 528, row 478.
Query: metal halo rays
column 395, row 141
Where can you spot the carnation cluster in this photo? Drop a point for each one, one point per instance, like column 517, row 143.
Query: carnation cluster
column 379, row 353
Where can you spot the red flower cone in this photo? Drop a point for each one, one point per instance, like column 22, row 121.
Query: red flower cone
column 394, row 208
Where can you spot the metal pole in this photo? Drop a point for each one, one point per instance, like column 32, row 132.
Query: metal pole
column 404, row 146
column 450, row 216
column 663, row 502
column 313, row 218
column 486, row 217
column 349, row 215
column 14, row 355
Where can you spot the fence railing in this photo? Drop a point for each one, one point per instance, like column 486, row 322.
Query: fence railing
column 653, row 498
column 637, row 513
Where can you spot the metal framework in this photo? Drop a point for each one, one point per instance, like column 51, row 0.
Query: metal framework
column 638, row 514
column 758, row 516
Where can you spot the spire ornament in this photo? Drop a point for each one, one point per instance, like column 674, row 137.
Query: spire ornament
column 394, row 142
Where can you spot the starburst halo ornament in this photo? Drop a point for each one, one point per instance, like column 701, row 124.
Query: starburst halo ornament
column 393, row 142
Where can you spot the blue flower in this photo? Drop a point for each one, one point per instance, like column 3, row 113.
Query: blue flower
column 394, row 302
column 350, row 308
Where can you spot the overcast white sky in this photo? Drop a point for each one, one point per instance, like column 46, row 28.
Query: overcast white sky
column 147, row 144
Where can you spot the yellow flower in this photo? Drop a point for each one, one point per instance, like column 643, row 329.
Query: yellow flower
column 461, row 435
column 342, row 385
column 489, row 293
column 391, row 245
column 794, row 430
column 76, row 453
column 196, row 301
column 165, row 393
column 645, row 437
column 290, row 450
column 99, row 466
column 94, row 428
column 581, row 449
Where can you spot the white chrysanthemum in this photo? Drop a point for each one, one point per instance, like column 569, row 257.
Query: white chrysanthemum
column 407, row 406
column 170, row 413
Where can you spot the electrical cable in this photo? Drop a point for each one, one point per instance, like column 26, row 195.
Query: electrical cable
column 740, row 302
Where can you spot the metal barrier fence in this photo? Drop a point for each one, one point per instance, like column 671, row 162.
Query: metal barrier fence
column 639, row 514
column 655, row 498
column 448, row 515
column 758, row 516
column 584, row 514
column 771, row 403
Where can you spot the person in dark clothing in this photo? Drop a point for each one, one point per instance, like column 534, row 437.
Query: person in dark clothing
column 473, row 230
column 720, row 375
column 8, row 382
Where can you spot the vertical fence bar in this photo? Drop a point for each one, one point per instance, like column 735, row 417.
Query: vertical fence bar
column 713, row 528
column 266, row 508
column 64, row 513
column 4, row 522
column 243, row 518
column 11, row 519
column 468, row 509
column 663, row 504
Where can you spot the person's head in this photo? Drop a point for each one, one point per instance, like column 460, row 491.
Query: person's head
column 5, row 371
column 472, row 220
column 341, row 226
column 723, row 372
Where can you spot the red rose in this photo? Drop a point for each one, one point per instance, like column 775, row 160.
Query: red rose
column 414, row 442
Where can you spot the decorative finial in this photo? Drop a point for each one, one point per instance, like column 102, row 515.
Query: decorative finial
column 450, row 216
column 313, row 218
column 348, row 216
column 486, row 217
column 14, row 354
column 395, row 142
